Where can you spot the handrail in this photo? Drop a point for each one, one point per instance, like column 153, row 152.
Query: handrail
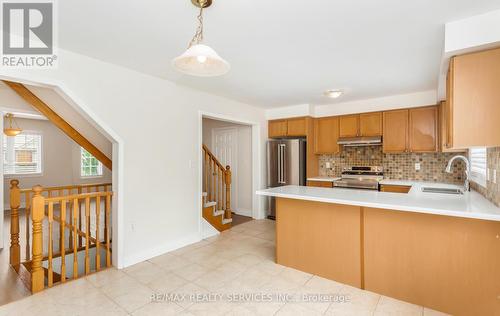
column 217, row 181
column 74, row 219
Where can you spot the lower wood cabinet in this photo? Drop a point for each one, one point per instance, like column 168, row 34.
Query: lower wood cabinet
column 320, row 184
column 395, row 188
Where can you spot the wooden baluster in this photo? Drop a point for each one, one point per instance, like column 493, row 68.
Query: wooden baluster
column 87, row 235
column 75, row 245
column 228, row 214
column 38, row 210
column 213, row 180
column 108, row 245
column 205, row 171
column 98, row 241
column 221, row 187
column 27, row 202
column 80, row 241
column 70, row 220
column 62, row 243
column 51, row 220
column 15, row 202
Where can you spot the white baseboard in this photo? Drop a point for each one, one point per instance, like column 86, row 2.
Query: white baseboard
column 160, row 250
column 243, row 212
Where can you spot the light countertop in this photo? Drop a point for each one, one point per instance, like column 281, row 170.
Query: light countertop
column 469, row 205
column 323, row 179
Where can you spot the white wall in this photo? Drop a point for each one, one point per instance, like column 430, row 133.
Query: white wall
column 243, row 179
column 155, row 125
column 60, row 160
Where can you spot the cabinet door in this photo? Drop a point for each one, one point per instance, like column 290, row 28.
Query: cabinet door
column 370, row 124
column 395, row 131
column 297, row 127
column 423, row 129
column 448, row 109
column 326, row 134
column 349, row 126
column 277, row 128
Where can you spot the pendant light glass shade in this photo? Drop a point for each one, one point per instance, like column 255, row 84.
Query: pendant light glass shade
column 11, row 131
column 202, row 61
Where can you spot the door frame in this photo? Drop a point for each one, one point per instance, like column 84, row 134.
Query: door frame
column 234, row 167
column 257, row 178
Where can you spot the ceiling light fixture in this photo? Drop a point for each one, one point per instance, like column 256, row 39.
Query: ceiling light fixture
column 201, row 60
column 11, row 131
column 334, row 94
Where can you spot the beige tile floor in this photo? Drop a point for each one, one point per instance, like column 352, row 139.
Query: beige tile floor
column 237, row 261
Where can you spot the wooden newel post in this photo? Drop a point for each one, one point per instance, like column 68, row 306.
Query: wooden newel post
column 37, row 214
column 228, row 192
column 15, row 201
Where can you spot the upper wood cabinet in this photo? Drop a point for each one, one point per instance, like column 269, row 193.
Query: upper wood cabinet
column 326, row 134
column 370, row 124
column 444, row 128
column 366, row 124
column 473, row 98
column 297, row 127
column 396, row 131
column 278, row 128
column 288, row 127
column 423, row 129
column 349, row 126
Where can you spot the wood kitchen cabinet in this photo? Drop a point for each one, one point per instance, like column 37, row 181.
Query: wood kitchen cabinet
column 326, row 134
column 473, row 97
column 370, row 124
column 366, row 124
column 320, row 184
column 423, row 129
column 349, row 126
column 278, row 128
column 396, row 131
column 413, row 130
column 444, row 128
column 297, row 127
column 288, row 127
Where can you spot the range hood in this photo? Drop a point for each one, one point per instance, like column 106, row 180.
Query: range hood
column 360, row 141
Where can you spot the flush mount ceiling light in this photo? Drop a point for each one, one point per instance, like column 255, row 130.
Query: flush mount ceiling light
column 334, row 94
column 11, row 131
column 200, row 60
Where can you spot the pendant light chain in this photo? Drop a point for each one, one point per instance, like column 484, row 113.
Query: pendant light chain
column 198, row 36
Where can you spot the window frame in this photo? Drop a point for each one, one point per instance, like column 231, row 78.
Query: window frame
column 42, row 153
column 99, row 166
column 476, row 177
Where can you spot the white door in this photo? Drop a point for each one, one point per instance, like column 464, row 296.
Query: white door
column 225, row 148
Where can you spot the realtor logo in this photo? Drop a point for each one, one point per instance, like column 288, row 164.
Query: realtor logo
column 28, row 34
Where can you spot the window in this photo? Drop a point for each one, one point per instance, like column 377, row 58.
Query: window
column 478, row 165
column 22, row 154
column 90, row 166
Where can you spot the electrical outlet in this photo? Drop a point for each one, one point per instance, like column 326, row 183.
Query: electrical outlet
column 328, row 165
column 417, row 166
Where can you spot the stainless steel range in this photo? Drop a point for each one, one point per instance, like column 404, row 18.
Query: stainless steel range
column 360, row 178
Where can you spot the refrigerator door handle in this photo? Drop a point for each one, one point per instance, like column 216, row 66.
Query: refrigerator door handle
column 281, row 163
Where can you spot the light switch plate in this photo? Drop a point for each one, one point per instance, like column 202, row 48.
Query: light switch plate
column 417, row 166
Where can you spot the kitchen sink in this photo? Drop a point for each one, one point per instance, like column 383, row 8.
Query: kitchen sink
column 442, row 190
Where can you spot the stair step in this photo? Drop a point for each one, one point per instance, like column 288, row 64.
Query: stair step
column 209, row 204
column 226, row 221
column 218, row 213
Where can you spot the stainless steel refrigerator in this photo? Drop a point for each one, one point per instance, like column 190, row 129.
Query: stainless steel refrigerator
column 286, row 165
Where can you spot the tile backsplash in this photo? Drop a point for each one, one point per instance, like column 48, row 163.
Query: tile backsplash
column 396, row 166
column 492, row 190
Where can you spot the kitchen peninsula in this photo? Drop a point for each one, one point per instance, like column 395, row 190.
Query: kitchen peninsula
column 431, row 249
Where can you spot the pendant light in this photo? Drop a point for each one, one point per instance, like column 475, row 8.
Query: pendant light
column 11, row 131
column 201, row 60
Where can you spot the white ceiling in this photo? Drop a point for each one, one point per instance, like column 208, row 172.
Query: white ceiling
column 281, row 52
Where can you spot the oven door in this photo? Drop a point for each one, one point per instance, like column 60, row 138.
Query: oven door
column 369, row 184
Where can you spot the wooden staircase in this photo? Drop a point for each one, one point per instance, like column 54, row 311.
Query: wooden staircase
column 216, row 197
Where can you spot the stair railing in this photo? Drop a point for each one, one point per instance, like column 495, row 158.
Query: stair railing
column 73, row 210
column 217, row 182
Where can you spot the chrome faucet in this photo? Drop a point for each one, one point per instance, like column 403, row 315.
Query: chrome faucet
column 467, row 169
